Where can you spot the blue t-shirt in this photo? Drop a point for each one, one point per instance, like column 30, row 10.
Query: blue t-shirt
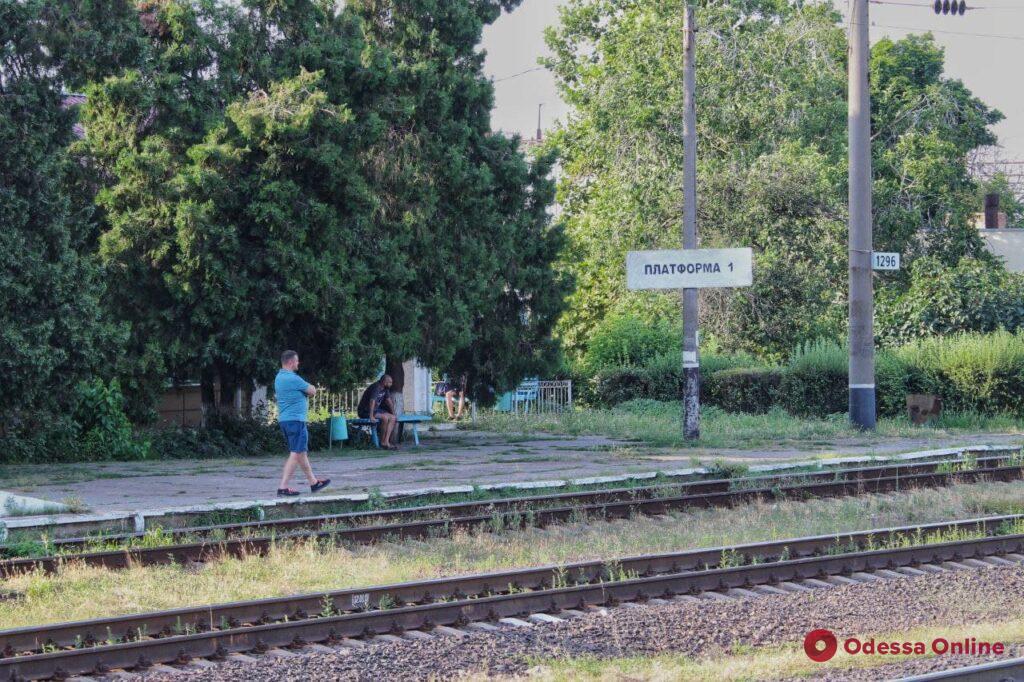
column 292, row 403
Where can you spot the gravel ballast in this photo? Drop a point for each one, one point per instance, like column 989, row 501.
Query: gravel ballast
column 707, row 628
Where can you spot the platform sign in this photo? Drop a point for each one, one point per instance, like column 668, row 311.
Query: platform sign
column 689, row 268
column 882, row 260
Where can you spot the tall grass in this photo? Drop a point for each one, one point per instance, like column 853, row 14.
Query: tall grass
column 981, row 372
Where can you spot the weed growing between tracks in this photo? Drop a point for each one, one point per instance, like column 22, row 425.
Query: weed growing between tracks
column 80, row 592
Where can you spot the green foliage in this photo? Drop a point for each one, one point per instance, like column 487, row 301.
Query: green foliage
column 815, row 382
column 104, row 432
column 325, row 179
column 225, row 436
column 631, row 341
column 662, row 380
column 892, row 383
column 1009, row 204
column 972, row 296
column 971, row 372
column 772, row 167
column 52, row 329
column 619, row 385
column 751, row 390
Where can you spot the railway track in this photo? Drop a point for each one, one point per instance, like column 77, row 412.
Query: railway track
column 140, row 641
column 1011, row 670
column 244, row 539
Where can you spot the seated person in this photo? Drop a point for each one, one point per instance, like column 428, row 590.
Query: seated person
column 452, row 390
column 376, row 403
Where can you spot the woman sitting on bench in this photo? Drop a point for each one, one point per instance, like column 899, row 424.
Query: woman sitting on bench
column 376, row 403
column 452, row 390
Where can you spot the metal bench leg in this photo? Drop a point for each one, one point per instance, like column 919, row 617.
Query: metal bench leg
column 374, row 437
column 416, row 433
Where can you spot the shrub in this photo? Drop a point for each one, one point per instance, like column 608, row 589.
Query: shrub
column 815, row 381
column 622, row 384
column 892, row 383
column 224, row 436
column 625, row 340
column 973, row 296
column 971, row 372
column 103, row 429
column 744, row 389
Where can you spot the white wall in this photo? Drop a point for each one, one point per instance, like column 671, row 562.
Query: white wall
column 418, row 388
column 1008, row 245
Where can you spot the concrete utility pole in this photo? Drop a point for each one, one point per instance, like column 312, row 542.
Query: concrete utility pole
column 540, row 133
column 862, row 336
column 691, row 363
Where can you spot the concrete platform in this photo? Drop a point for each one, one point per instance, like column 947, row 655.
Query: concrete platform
column 449, row 461
column 12, row 506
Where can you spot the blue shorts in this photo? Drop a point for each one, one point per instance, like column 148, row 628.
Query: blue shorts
column 296, row 435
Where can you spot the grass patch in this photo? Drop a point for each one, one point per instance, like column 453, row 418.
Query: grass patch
column 421, row 464
column 658, row 423
column 81, row 592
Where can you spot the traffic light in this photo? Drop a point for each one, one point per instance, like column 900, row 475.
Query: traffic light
column 950, row 7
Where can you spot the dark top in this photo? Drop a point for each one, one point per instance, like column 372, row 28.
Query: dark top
column 375, row 398
column 457, row 385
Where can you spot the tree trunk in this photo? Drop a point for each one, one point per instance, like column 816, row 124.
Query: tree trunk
column 228, row 390
column 208, row 392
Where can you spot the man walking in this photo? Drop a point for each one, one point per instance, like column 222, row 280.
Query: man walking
column 292, row 393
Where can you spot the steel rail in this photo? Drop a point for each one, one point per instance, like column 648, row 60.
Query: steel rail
column 219, row 642
column 575, row 498
column 238, row 547
column 1010, row 670
column 298, row 607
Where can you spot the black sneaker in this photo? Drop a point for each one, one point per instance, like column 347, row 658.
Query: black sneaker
column 320, row 484
column 287, row 492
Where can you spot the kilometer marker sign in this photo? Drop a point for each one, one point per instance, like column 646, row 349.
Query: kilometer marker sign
column 689, row 268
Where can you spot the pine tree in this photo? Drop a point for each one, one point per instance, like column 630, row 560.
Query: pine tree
column 52, row 329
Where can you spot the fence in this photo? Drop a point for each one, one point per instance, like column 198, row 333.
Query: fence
column 554, row 396
column 538, row 397
column 549, row 397
column 325, row 402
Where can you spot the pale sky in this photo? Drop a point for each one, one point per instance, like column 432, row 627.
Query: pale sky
column 982, row 48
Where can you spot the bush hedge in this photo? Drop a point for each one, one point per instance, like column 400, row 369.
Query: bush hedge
column 971, row 372
column 743, row 389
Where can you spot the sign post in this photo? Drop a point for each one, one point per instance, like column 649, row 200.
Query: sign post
column 690, row 270
column 690, row 301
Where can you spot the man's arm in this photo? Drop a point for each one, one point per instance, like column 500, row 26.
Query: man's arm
column 310, row 389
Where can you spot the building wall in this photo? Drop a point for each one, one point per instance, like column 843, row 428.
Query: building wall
column 1008, row 245
column 181, row 406
column 416, row 393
